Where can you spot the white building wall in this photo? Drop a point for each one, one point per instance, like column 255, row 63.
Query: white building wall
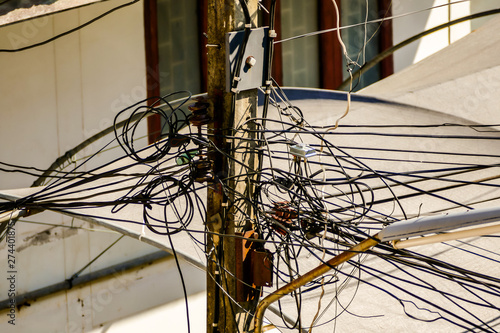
column 53, row 97
column 56, row 95
column 479, row 6
column 134, row 294
column 409, row 25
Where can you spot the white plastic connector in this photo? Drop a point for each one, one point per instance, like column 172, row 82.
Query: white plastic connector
column 302, row 150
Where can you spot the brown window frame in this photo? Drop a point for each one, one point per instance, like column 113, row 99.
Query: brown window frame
column 153, row 59
column 329, row 50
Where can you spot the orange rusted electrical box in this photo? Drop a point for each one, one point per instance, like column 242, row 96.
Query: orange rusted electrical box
column 254, row 267
column 262, row 268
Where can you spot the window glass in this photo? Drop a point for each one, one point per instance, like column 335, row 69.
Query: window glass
column 178, row 46
column 300, row 56
column 362, row 44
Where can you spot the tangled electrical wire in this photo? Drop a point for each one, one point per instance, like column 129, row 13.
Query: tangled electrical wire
column 304, row 207
column 310, row 193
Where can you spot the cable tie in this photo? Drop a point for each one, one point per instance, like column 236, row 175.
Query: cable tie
column 268, row 83
column 237, row 78
column 235, row 90
column 272, row 34
column 268, row 92
column 248, row 25
column 143, row 231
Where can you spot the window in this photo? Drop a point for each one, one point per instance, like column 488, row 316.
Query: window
column 318, row 61
column 178, row 46
column 300, row 56
column 174, row 43
column 362, row 42
column 176, row 57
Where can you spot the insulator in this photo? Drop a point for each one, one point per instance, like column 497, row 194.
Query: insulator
column 201, row 170
column 284, row 214
column 283, row 211
column 199, row 114
column 178, row 140
column 302, row 150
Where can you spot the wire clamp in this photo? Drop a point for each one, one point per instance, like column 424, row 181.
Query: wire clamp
column 302, row 150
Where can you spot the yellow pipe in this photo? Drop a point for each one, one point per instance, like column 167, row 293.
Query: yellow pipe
column 309, row 276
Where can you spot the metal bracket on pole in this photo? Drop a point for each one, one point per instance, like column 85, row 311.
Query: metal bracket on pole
column 251, row 73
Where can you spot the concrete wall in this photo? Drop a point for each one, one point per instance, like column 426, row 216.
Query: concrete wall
column 422, row 19
column 56, row 95
column 52, row 98
column 102, row 305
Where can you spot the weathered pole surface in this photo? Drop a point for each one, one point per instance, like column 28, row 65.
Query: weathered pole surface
column 228, row 111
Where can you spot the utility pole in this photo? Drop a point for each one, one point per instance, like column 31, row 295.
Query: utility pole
column 226, row 213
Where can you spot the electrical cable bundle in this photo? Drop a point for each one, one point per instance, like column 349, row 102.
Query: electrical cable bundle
column 326, row 202
column 316, row 194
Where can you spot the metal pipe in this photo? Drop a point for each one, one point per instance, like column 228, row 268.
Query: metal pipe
column 489, row 230
column 439, row 223
column 309, row 276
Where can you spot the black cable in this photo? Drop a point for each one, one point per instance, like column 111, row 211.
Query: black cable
column 295, row 200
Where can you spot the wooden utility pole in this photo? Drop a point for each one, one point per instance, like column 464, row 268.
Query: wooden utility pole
column 226, row 213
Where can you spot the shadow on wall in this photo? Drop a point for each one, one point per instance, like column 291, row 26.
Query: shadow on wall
column 7, row 6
